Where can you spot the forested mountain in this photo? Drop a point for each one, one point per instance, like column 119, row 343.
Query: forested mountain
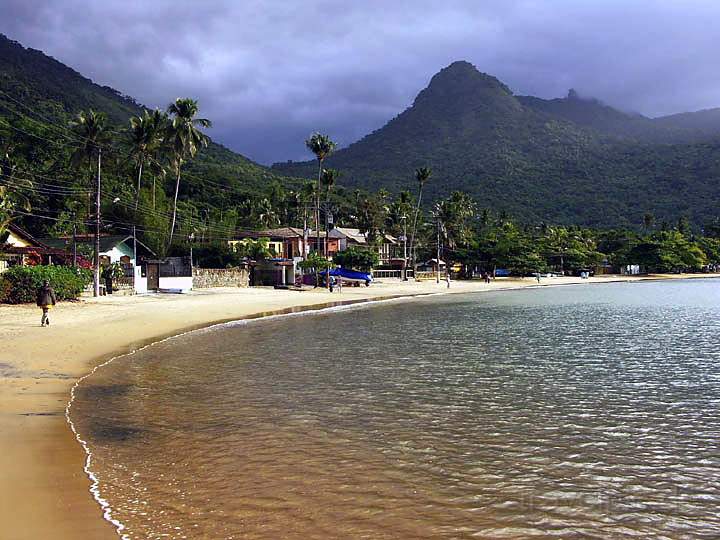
column 40, row 97
column 566, row 160
column 569, row 160
column 43, row 91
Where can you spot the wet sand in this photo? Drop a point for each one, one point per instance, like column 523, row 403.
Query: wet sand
column 44, row 492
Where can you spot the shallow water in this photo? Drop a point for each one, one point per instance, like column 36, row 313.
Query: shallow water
column 572, row 412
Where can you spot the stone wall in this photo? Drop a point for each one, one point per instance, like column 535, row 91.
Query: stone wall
column 204, row 278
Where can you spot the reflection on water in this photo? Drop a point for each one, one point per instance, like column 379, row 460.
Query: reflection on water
column 574, row 412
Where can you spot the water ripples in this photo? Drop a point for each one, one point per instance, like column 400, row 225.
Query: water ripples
column 585, row 412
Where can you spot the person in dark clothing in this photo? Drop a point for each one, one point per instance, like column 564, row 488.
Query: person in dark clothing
column 46, row 299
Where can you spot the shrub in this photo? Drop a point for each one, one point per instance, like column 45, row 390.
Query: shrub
column 357, row 258
column 315, row 261
column 19, row 284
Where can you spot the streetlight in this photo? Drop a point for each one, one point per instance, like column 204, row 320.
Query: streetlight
column 191, row 238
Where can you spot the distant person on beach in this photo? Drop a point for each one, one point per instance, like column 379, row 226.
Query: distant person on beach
column 447, row 279
column 46, row 299
column 537, row 276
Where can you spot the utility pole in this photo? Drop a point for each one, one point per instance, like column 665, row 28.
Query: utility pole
column 437, row 266
column 96, row 273
column 74, row 242
column 305, row 249
column 135, row 261
column 404, row 239
column 328, row 219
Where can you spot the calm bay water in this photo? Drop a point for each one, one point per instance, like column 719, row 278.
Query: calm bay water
column 573, row 412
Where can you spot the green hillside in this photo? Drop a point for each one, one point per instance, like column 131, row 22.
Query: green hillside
column 37, row 86
column 571, row 160
column 40, row 96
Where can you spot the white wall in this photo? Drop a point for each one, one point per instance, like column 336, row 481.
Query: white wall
column 115, row 255
column 183, row 284
column 140, row 282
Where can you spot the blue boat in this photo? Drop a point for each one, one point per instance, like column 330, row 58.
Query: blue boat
column 349, row 275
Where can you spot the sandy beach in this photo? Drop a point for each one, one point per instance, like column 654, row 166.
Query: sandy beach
column 44, row 491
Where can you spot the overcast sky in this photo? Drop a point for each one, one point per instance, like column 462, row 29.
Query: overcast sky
column 268, row 73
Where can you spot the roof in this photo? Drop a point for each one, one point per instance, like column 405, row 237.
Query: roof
column 351, row 234
column 358, row 237
column 40, row 250
column 23, row 234
column 107, row 243
column 281, row 232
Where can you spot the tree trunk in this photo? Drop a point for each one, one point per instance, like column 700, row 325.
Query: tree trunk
column 317, row 221
column 137, row 191
column 174, row 214
column 412, row 240
column 96, row 270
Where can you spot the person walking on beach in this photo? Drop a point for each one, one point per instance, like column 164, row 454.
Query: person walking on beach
column 46, row 299
column 447, row 279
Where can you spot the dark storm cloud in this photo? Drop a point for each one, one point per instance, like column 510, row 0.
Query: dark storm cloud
column 269, row 73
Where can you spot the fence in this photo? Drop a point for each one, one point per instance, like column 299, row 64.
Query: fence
column 124, row 282
column 391, row 273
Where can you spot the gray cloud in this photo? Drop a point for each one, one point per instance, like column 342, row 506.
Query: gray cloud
column 269, row 73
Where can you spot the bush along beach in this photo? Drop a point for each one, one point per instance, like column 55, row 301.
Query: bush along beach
column 19, row 285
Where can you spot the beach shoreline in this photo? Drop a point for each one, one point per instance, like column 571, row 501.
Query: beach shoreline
column 45, row 491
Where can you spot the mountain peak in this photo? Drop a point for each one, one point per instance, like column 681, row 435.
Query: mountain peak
column 464, row 73
column 461, row 84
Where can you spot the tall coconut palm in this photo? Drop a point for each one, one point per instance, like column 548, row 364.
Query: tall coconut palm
column 329, row 178
column 422, row 175
column 146, row 136
column 185, row 139
column 322, row 147
column 307, row 195
column 90, row 128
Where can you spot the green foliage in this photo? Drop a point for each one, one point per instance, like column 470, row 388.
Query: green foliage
column 357, row 258
column 255, row 249
column 315, row 261
column 40, row 97
column 320, row 145
column 219, row 255
column 667, row 251
column 569, row 161
column 371, row 214
column 113, row 271
column 19, row 284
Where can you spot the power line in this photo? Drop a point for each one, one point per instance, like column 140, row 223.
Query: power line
column 51, row 123
column 40, row 137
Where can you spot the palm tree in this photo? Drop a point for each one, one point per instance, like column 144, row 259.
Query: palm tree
column 10, row 202
column 265, row 214
column 185, row 140
column 10, row 199
column 648, row 220
column 307, row 194
column 422, row 175
column 146, row 136
column 90, row 128
column 322, row 147
column 329, row 177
